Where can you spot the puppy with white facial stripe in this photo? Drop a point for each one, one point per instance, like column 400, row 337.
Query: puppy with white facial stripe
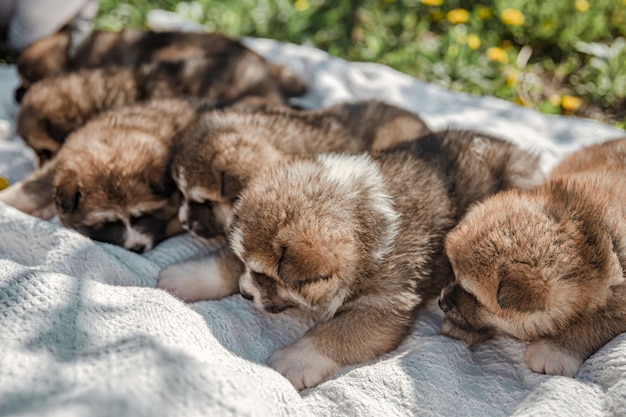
column 547, row 265
column 111, row 181
column 355, row 243
column 214, row 160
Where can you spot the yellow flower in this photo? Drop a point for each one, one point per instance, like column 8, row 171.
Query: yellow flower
column 570, row 103
column 473, row 41
column 436, row 2
column 485, row 12
column 581, row 5
column 456, row 16
column 4, row 183
column 497, row 55
column 512, row 17
column 301, row 5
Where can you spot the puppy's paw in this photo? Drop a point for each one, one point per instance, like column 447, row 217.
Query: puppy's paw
column 302, row 364
column 544, row 357
column 198, row 280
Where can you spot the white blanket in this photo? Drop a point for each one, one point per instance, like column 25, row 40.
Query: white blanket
column 84, row 331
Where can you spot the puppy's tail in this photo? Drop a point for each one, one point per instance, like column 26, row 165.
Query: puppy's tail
column 290, row 83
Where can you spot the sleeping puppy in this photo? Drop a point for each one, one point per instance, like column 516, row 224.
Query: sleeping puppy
column 215, row 159
column 355, row 244
column 61, row 53
column 547, row 265
column 111, row 181
column 55, row 107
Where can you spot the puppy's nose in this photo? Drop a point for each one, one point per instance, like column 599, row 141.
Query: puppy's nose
column 443, row 305
column 139, row 248
column 247, row 296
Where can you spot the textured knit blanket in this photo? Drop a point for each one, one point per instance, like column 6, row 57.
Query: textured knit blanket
column 85, row 332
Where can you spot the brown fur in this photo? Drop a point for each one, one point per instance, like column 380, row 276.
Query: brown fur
column 54, row 107
column 225, row 149
column 55, row 55
column 112, row 176
column 356, row 243
column 546, row 265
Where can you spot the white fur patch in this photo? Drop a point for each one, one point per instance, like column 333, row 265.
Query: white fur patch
column 302, row 364
column 15, row 196
column 183, row 212
column 236, row 242
column 196, row 280
column 135, row 238
column 543, row 357
column 246, row 285
column 350, row 169
column 180, row 180
column 96, row 217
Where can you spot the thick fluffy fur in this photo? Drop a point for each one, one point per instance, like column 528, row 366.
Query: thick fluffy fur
column 59, row 53
column 215, row 159
column 354, row 243
column 546, row 265
column 111, row 181
column 55, row 107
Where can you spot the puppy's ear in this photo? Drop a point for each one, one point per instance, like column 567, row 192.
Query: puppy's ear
column 522, row 289
column 305, row 261
column 67, row 193
column 231, row 186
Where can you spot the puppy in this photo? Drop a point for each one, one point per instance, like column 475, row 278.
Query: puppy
column 111, row 181
column 231, row 60
column 55, row 107
column 547, row 265
column 216, row 158
column 354, row 243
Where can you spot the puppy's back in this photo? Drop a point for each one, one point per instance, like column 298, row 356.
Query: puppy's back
column 476, row 165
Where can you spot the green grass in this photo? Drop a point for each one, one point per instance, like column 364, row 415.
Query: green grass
column 558, row 56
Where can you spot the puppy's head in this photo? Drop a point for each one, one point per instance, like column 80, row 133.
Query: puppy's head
column 523, row 267
column 308, row 231
column 211, row 164
column 113, row 185
column 43, row 58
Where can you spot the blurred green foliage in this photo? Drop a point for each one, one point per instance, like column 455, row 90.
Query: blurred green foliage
column 559, row 56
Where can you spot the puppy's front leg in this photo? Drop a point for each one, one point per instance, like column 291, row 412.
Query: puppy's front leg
column 352, row 337
column 564, row 354
column 209, row 278
column 33, row 195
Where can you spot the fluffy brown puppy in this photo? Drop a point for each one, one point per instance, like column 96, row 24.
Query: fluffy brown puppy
column 215, row 159
column 111, row 181
column 355, row 244
column 546, row 265
column 54, row 107
column 60, row 53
